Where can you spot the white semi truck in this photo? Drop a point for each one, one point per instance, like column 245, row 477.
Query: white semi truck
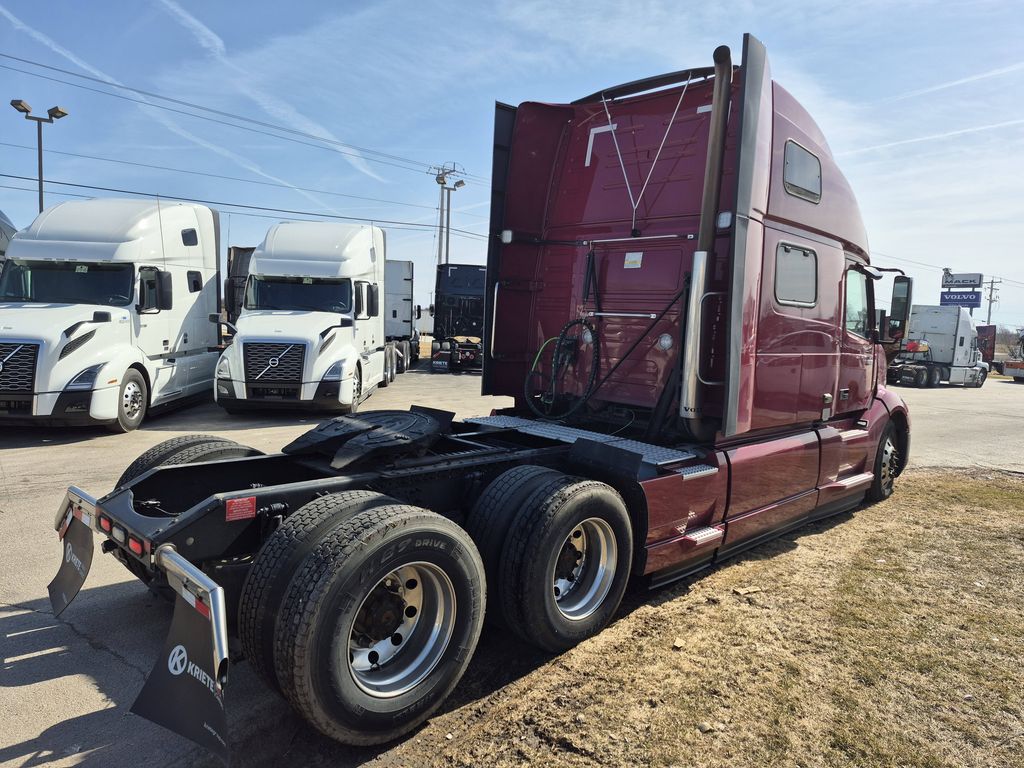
column 941, row 346
column 401, row 314
column 103, row 312
column 310, row 333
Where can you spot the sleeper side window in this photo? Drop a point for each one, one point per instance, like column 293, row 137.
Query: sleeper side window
column 856, row 313
column 796, row 275
column 802, row 173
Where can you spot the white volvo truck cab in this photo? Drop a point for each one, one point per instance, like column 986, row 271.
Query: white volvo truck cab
column 311, row 329
column 103, row 312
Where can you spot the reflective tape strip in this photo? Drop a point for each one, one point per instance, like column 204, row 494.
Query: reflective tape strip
column 195, row 602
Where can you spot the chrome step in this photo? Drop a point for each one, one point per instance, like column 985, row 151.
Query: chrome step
column 697, row 470
column 704, row 535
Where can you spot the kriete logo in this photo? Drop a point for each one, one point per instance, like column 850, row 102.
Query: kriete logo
column 178, row 660
column 71, row 557
column 178, row 663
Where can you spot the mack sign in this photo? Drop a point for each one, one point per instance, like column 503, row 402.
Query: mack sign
column 971, row 299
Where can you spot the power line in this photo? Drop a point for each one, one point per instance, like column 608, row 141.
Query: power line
column 939, row 269
column 230, row 178
column 246, row 206
column 211, row 110
column 361, row 152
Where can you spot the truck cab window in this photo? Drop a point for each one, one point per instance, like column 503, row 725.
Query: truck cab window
column 67, row 282
column 856, row 313
column 147, row 289
column 802, row 173
column 310, row 294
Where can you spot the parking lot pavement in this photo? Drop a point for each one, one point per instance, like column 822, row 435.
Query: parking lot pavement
column 66, row 684
column 953, row 426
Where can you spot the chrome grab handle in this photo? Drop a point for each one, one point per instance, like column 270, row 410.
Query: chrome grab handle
column 647, row 315
column 494, row 313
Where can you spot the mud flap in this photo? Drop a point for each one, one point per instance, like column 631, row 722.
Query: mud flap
column 74, row 567
column 181, row 693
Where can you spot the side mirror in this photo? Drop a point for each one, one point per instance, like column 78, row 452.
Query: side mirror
column 899, row 308
column 164, row 294
column 419, row 312
column 359, row 309
column 373, row 300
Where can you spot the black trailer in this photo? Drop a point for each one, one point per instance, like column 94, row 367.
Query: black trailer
column 458, row 318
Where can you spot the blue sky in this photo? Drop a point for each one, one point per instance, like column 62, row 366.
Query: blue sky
column 922, row 103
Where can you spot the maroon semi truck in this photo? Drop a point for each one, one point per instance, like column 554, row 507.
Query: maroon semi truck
column 680, row 303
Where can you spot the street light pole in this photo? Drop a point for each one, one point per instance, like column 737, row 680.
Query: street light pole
column 444, row 207
column 53, row 113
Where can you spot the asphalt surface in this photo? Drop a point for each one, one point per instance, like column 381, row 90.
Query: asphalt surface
column 66, row 684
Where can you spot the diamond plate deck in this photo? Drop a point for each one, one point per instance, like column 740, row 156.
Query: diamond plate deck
column 653, row 454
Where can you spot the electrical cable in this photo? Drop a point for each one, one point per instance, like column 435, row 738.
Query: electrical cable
column 235, row 178
column 219, row 203
column 559, row 364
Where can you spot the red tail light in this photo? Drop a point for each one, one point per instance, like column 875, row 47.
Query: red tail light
column 105, row 524
column 135, row 545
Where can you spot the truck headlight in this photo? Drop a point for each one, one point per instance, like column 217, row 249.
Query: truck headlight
column 223, row 368
column 85, row 379
column 334, row 372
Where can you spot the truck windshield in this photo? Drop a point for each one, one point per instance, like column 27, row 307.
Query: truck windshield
column 67, row 282
column 313, row 294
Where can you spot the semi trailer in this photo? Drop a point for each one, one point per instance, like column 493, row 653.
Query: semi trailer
column 310, row 331
column 103, row 307
column 940, row 346
column 401, row 314
column 458, row 318
column 1014, row 364
column 680, row 301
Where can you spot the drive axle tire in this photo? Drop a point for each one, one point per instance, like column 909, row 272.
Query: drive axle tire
column 887, row 465
column 492, row 515
column 403, row 357
column 921, row 379
column 168, row 452
column 934, row 377
column 565, row 565
column 275, row 564
column 389, row 362
column 379, row 623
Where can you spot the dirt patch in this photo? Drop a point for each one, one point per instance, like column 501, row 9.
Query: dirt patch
column 888, row 637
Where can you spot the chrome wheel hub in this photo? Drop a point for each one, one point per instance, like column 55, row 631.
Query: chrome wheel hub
column 585, row 569
column 401, row 630
column 890, row 465
column 131, row 400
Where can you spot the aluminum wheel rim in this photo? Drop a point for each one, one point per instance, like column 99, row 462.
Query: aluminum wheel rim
column 585, row 569
column 131, row 400
column 385, row 667
column 890, row 464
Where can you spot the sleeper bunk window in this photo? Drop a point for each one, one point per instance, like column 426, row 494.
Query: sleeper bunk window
column 802, row 174
column 796, row 276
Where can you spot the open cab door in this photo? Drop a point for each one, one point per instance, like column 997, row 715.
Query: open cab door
column 892, row 329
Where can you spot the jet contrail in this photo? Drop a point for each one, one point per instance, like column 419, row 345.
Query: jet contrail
column 148, row 109
column 214, row 44
column 933, row 137
column 953, row 83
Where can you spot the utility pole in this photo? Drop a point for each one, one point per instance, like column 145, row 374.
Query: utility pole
column 993, row 292
column 444, row 208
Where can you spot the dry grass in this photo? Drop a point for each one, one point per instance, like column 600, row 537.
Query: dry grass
column 891, row 637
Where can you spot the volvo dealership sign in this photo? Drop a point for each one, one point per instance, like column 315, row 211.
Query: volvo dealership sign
column 969, row 299
column 960, row 280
